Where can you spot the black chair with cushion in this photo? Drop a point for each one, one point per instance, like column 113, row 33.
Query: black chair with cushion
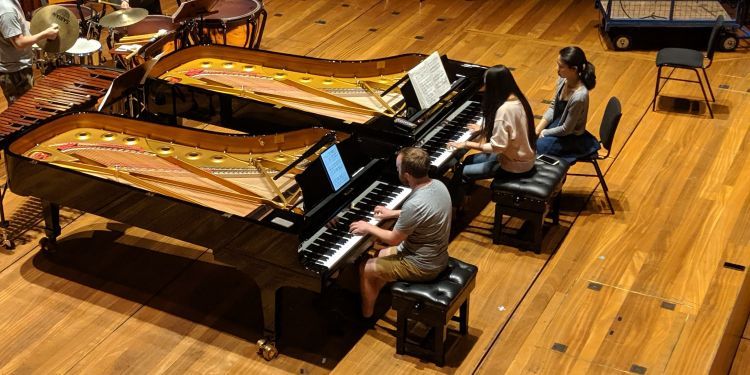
column 611, row 119
column 531, row 197
column 434, row 304
column 683, row 58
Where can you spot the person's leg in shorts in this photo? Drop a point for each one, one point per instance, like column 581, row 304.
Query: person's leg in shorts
column 16, row 84
column 388, row 266
column 374, row 274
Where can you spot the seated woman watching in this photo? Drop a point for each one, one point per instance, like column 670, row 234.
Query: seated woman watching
column 508, row 137
column 562, row 130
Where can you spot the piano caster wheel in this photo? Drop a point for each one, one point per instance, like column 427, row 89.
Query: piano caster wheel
column 267, row 349
column 48, row 246
column 9, row 244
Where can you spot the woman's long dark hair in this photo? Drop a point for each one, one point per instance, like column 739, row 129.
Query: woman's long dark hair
column 574, row 57
column 498, row 85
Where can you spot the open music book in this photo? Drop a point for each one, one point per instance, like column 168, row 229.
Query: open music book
column 429, row 80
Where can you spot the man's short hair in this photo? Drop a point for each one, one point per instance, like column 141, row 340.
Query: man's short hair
column 414, row 161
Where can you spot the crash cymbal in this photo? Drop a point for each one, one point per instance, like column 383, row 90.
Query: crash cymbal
column 64, row 19
column 124, row 17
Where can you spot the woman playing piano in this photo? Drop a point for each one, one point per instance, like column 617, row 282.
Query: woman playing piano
column 508, row 139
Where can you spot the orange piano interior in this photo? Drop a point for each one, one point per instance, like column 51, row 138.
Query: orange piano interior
column 353, row 91
column 227, row 172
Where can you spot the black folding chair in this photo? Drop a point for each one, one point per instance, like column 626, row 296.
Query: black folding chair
column 611, row 119
column 684, row 58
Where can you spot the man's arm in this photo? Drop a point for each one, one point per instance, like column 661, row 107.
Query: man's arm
column 389, row 237
column 21, row 41
column 383, row 213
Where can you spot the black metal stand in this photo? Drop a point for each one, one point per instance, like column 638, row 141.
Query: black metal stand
column 5, row 224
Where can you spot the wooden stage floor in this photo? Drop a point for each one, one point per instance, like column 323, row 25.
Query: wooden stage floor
column 645, row 289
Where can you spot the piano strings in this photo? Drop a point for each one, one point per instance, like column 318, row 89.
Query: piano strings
column 355, row 99
column 234, row 182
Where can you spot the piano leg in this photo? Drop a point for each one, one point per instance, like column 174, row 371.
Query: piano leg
column 51, row 213
column 267, row 345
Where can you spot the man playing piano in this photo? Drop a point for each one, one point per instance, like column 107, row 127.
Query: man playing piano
column 418, row 242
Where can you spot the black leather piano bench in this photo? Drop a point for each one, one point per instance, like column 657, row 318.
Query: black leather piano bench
column 434, row 304
column 531, row 197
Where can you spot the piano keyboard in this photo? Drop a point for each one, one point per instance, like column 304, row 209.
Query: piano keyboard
column 328, row 246
column 452, row 129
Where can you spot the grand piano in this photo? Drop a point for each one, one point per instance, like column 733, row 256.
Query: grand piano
column 261, row 92
column 260, row 202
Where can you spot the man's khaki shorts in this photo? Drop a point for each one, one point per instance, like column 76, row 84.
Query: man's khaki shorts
column 392, row 266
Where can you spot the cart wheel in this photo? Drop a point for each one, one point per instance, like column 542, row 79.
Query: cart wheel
column 622, row 42
column 728, row 43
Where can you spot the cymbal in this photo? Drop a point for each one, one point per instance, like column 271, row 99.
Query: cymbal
column 64, row 19
column 124, row 17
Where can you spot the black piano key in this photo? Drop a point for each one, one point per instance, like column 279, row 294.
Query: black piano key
column 332, row 239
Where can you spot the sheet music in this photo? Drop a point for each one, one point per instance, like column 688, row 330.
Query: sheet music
column 430, row 81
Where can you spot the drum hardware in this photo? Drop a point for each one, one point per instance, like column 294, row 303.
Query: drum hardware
column 84, row 52
column 192, row 13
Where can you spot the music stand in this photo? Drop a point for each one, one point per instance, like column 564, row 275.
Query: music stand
column 122, row 85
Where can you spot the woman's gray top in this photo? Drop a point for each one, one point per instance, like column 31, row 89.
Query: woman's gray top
column 573, row 119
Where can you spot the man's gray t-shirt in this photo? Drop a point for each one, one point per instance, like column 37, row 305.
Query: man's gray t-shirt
column 426, row 219
column 12, row 23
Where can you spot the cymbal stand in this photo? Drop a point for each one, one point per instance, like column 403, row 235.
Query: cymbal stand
column 93, row 30
column 7, row 242
column 81, row 18
column 190, row 33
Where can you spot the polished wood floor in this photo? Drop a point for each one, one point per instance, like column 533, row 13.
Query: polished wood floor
column 659, row 287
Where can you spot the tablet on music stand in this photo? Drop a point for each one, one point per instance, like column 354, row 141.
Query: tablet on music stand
column 194, row 9
column 122, row 85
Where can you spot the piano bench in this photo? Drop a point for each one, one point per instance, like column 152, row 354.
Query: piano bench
column 529, row 197
column 434, row 304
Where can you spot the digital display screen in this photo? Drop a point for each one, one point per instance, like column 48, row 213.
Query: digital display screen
column 334, row 167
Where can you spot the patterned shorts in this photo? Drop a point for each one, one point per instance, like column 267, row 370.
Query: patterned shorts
column 16, row 84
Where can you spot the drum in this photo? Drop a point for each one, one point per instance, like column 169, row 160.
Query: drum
column 249, row 14
column 150, row 25
column 84, row 52
column 86, row 11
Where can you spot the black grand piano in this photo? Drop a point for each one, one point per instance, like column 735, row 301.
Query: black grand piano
column 261, row 92
column 260, row 202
